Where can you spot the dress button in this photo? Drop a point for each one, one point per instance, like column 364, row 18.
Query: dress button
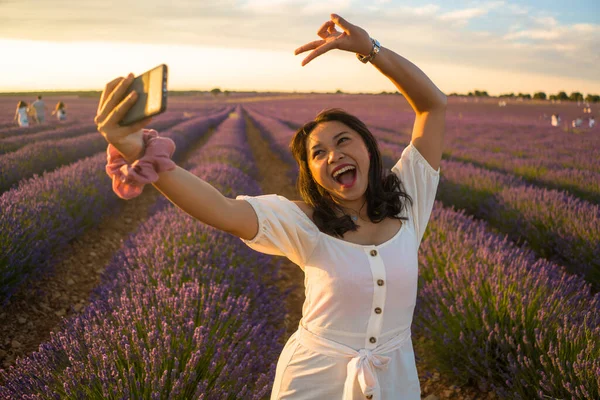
column 378, row 310
column 372, row 340
column 373, row 253
column 380, row 282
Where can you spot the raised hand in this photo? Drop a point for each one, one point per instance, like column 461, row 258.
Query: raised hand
column 352, row 38
column 128, row 140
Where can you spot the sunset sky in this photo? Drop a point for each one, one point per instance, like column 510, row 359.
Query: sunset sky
column 498, row 46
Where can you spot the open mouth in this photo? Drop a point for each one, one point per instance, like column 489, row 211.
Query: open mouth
column 345, row 176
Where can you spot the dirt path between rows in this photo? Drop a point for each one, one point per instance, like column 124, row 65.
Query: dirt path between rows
column 274, row 178
column 34, row 312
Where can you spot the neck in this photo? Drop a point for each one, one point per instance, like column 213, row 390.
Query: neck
column 356, row 209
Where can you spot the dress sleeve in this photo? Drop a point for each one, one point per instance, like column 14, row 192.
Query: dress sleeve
column 420, row 181
column 283, row 228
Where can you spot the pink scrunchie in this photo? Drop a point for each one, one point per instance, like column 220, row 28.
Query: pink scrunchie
column 128, row 180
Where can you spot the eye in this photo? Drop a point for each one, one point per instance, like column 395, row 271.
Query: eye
column 317, row 153
column 343, row 139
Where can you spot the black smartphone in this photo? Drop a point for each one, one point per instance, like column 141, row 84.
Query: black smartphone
column 151, row 87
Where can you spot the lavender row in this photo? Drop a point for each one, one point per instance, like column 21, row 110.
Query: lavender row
column 48, row 155
column 555, row 224
column 584, row 183
column 13, row 143
column 28, row 130
column 278, row 134
column 16, row 142
column 552, row 148
column 44, row 213
column 183, row 314
column 495, row 315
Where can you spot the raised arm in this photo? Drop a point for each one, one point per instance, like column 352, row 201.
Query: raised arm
column 428, row 102
column 188, row 192
column 205, row 203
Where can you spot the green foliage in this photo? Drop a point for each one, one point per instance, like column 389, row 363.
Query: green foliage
column 576, row 96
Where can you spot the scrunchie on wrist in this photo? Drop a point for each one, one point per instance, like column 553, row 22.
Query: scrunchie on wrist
column 128, row 180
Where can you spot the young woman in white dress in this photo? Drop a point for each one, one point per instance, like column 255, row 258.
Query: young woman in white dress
column 21, row 114
column 355, row 233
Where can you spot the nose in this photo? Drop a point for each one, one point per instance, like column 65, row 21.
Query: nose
column 334, row 155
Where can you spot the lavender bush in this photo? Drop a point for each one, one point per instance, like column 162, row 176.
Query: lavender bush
column 555, row 224
column 495, row 315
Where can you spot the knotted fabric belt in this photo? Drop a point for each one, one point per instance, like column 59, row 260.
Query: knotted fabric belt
column 363, row 364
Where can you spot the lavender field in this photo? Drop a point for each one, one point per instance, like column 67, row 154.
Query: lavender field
column 509, row 296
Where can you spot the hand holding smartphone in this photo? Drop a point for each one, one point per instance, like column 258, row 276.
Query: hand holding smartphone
column 151, row 88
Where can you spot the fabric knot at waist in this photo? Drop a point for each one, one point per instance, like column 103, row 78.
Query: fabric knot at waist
column 362, row 364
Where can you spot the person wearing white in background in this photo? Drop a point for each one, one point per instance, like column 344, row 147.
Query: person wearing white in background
column 591, row 122
column 60, row 111
column 355, row 234
column 554, row 120
column 40, row 109
column 21, row 114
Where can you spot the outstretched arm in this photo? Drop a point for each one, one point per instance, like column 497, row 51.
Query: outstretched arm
column 188, row 192
column 428, row 102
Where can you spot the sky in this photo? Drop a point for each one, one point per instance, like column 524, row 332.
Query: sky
column 497, row 46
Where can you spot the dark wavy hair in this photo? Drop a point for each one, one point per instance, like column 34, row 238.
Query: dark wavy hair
column 385, row 195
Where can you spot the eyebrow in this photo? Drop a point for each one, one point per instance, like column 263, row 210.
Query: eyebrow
column 335, row 137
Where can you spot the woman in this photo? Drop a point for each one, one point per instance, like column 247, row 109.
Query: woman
column 355, row 234
column 21, row 114
column 60, row 111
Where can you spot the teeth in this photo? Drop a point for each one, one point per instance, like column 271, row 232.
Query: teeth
column 342, row 170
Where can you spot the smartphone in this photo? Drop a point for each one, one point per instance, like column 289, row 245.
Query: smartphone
column 151, row 87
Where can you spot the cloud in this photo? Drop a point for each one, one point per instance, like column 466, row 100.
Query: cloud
column 548, row 34
column 463, row 16
column 524, row 39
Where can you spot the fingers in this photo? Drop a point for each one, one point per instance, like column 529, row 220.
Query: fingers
column 114, row 98
column 120, row 110
column 325, row 29
column 107, row 90
column 318, row 51
column 308, row 46
column 342, row 23
column 140, row 124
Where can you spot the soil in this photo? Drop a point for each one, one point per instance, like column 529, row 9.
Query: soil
column 40, row 308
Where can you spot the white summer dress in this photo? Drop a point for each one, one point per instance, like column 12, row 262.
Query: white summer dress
column 353, row 341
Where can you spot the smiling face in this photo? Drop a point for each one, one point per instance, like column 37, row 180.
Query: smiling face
column 339, row 161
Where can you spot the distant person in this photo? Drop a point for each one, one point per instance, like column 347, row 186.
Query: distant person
column 21, row 114
column 32, row 114
column 555, row 120
column 40, row 109
column 60, row 111
column 591, row 121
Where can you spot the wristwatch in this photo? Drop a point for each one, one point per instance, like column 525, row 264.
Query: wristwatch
column 371, row 56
